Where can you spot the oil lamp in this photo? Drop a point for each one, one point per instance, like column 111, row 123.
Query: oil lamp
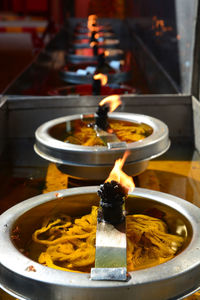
column 110, row 256
column 114, row 191
column 108, row 104
column 98, row 81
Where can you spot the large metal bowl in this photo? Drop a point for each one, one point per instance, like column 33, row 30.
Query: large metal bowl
column 96, row 162
column 87, row 89
column 171, row 280
column 88, row 56
column 104, row 35
column 107, row 43
column 77, row 78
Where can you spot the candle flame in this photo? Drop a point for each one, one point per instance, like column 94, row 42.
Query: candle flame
column 119, row 176
column 91, row 20
column 92, row 44
column 114, row 101
column 102, row 77
column 92, row 17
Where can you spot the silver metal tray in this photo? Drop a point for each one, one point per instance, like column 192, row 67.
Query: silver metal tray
column 96, row 162
column 171, row 280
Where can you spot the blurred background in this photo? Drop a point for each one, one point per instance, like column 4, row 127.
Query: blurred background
column 26, row 26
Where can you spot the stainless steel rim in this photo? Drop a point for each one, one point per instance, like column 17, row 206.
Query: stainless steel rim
column 180, row 275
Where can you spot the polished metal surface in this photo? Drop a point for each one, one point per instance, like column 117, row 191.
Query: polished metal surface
column 171, row 280
column 110, row 255
column 114, row 274
column 87, row 162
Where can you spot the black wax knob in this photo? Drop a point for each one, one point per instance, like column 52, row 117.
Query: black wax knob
column 96, row 87
column 102, row 116
column 112, row 199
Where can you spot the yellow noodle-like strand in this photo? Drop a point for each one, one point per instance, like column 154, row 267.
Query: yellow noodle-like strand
column 71, row 247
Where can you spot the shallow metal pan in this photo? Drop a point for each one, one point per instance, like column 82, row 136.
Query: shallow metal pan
column 171, row 280
column 97, row 161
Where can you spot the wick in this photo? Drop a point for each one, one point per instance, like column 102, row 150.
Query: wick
column 95, row 50
column 101, row 60
column 96, row 87
column 93, row 39
column 112, row 196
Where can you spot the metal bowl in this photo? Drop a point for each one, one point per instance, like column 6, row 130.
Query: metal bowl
column 104, row 35
column 87, row 55
column 87, row 89
column 96, row 162
column 76, row 78
column 171, row 280
column 85, row 43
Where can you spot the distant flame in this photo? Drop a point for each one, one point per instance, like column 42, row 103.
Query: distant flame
column 114, row 101
column 92, row 17
column 119, row 176
column 92, row 44
column 159, row 26
column 91, row 20
column 102, row 77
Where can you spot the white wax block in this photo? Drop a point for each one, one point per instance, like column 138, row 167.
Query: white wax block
column 100, row 39
column 90, row 70
column 81, row 72
column 115, row 64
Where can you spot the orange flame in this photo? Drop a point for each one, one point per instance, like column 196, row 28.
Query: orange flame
column 114, row 101
column 102, row 77
column 119, row 176
column 91, row 20
column 92, row 17
column 159, row 24
column 92, row 44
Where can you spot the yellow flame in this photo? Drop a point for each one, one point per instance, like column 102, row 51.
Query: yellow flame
column 102, row 77
column 92, row 17
column 114, row 101
column 92, row 44
column 119, row 176
column 91, row 20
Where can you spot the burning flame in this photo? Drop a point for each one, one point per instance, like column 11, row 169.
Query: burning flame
column 90, row 23
column 92, row 44
column 114, row 101
column 159, row 26
column 119, row 176
column 102, row 77
column 96, row 36
column 106, row 52
column 92, row 17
